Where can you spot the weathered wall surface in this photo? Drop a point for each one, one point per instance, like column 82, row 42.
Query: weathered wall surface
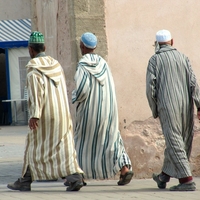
column 44, row 19
column 90, row 17
column 145, row 145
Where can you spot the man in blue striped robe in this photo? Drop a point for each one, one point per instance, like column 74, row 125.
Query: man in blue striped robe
column 171, row 89
column 100, row 150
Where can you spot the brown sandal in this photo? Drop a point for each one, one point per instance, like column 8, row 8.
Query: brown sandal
column 126, row 178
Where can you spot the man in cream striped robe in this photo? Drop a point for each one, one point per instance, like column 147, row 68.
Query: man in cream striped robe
column 172, row 89
column 50, row 151
column 99, row 146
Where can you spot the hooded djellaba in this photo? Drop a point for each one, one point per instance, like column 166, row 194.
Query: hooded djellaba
column 50, row 151
column 100, row 149
column 50, row 147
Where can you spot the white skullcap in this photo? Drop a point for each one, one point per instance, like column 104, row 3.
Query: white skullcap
column 163, row 36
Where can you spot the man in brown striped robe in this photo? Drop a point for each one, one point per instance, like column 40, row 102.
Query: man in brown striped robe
column 50, row 151
column 172, row 89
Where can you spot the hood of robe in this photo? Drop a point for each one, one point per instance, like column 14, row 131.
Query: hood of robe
column 95, row 65
column 47, row 66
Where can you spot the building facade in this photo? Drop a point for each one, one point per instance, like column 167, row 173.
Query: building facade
column 126, row 33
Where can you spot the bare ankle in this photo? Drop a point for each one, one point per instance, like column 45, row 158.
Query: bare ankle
column 124, row 170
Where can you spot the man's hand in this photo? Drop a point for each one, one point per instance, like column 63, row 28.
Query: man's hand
column 33, row 123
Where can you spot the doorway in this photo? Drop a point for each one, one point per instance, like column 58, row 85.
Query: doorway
column 3, row 89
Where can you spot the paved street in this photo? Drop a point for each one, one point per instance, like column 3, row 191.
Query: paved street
column 12, row 139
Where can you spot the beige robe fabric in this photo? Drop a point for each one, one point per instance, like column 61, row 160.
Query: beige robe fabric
column 49, row 151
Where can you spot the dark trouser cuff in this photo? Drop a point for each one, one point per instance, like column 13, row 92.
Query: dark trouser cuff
column 164, row 177
column 185, row 180
column 27, row 176
column 74, row 177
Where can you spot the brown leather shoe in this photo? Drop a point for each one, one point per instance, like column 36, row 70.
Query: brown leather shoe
column 21, row 184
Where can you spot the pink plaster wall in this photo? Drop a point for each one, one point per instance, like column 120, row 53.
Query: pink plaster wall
column 131, row 26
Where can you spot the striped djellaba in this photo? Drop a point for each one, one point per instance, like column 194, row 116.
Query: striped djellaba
column 99, row 146
column 50, row 151
column 171, row 88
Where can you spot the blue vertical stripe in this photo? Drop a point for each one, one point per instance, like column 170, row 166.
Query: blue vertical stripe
column 96, row 131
